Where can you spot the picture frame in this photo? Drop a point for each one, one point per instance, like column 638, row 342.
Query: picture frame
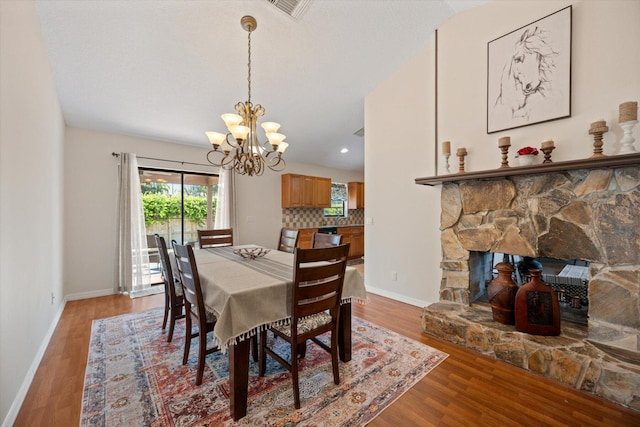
column 529, row 74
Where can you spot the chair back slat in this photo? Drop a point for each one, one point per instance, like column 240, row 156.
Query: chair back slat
column 321, row 240
column 317, row 306
column 318, row 290
column 288, row 240
column 186, row 263
column 321, row 271
column 215, row 238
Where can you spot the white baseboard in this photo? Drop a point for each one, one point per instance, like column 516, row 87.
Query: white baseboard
column 10, row 419
column 92, row 294
column 398, row 297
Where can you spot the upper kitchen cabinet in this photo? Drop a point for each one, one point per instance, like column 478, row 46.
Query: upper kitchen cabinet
column 356, row 195
column 322, row 191
column 301, row 191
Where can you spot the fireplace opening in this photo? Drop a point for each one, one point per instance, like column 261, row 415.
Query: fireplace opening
column 569, row 278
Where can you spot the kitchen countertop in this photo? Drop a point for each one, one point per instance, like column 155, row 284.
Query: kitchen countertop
column 332, row 226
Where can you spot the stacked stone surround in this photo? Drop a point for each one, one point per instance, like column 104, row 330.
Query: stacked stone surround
column 588, row 214
column 569, row 358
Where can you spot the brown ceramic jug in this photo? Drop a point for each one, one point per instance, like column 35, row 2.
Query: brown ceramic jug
column 502, row 294
column 537, row 307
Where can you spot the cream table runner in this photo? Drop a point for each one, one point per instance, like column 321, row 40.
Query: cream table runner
column 249, row 295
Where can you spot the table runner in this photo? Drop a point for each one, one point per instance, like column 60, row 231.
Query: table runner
column 250, row 295
column 263, row 264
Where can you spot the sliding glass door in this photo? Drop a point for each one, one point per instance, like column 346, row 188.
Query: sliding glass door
column 176, row 204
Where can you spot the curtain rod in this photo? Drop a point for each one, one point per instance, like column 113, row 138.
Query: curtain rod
column 114, row 154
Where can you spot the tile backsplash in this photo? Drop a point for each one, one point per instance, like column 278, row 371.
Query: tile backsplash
column 311, row 218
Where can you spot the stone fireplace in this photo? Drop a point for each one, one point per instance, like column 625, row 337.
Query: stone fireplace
column 591, row 214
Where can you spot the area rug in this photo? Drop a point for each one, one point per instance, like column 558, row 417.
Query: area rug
column 134, row 377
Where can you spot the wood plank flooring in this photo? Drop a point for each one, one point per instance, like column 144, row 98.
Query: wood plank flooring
column 467, row 389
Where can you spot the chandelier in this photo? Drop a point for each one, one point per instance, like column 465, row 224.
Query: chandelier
column 240, row 149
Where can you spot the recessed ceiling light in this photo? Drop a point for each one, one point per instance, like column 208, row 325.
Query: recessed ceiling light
column 344, row 150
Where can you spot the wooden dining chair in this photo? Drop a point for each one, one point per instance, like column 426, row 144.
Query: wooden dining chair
column 196, row 312
column 318, row 278
column 215, row 238
column 321, row 240
column 173, row 295
column 288, row 240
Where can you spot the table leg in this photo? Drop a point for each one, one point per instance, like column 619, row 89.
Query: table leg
column 239, row 378
column 344, row 333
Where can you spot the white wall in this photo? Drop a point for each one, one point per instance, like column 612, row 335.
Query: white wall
column 90, row 180
column 401, row 239
column 31, row 163
column 605, row 73
column 399, row 117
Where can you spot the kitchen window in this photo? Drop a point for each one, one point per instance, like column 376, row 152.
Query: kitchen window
column 339, row 199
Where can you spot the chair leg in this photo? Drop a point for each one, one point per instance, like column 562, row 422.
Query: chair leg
column 334, row 357
column 302, row 350
column 187, row 340
column 166, row 309
column 294, row 375
column 202, row 354
column 254, row 348
column 262, row 366
column 172, row 324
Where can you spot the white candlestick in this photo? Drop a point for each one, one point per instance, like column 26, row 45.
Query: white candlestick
column 627, row 139
column 446, row 162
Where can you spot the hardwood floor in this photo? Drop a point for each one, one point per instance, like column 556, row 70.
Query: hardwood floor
column 466, row 389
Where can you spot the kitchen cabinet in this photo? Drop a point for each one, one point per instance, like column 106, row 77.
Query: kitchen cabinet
column 305, row 237
column 354, row 236
column 291, row 191
column 356, row 195
column 308, row 191
column 301, row 191
column 322, row 192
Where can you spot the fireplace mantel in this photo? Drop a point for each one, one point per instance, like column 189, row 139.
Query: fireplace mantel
column 590, row 163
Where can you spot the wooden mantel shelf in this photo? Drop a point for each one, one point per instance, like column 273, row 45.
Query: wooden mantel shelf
column 590, row 163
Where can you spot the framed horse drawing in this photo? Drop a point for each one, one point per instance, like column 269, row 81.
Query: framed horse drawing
column 529, row 74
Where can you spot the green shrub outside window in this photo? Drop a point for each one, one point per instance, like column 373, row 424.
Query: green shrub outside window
column 160, row 208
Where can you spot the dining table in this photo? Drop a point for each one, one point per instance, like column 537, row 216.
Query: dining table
column 250, row 294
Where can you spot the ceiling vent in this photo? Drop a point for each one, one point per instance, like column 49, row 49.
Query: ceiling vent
column 293, row 8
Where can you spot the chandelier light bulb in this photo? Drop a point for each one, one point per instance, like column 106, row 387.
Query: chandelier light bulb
column 275, row 138
column 270, row 127
column 239, row 132
column 231, row 120
column 283, row 146
column 216, row 138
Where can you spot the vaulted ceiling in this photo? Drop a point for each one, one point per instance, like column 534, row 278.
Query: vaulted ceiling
column 167, row 69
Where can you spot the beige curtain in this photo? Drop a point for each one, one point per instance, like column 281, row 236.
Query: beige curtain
column 132, row 255
column 225, row 206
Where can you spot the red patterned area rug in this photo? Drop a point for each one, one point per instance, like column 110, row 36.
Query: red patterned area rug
column 134, row 377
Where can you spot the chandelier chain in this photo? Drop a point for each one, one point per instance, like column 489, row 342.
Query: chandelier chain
column 249, row 66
